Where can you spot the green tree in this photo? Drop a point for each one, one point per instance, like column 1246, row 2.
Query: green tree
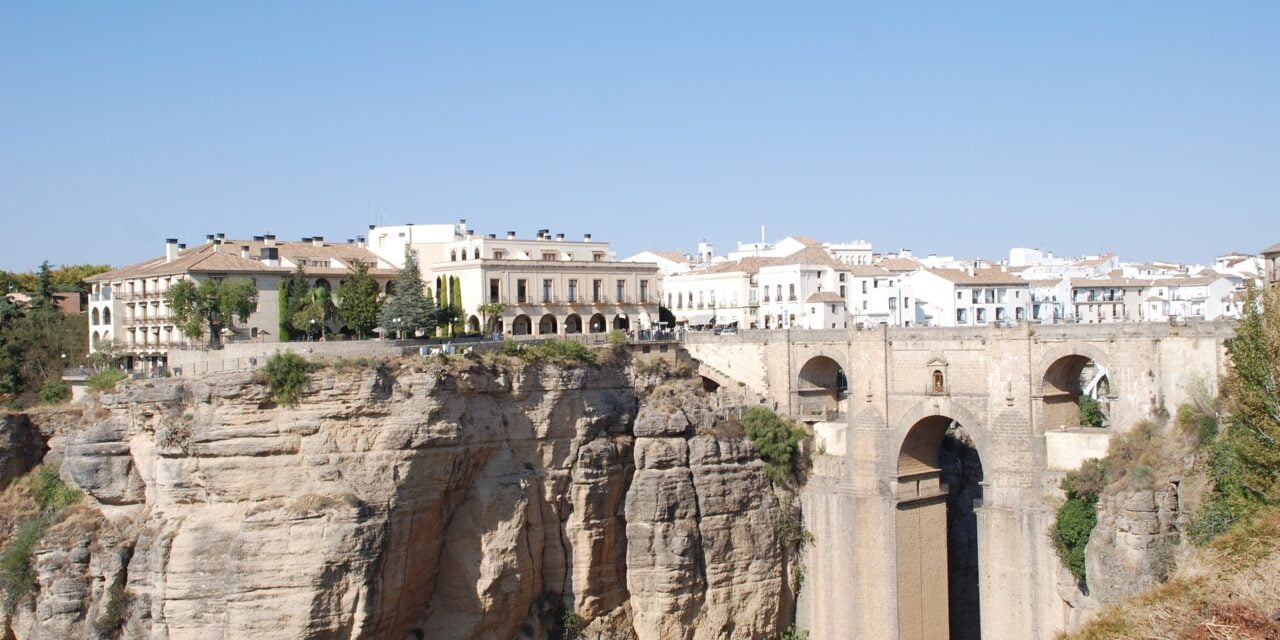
column 358, row 303
column 410, row 310
column 316, row 313
column 211, row 304
column 777, row 440
column 44, row 284
column 455, row 303
column 293, row 293
column 1244, row 460
column 35, row 344
column 491, row 311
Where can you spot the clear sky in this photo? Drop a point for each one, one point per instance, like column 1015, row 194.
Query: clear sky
column 958, row 128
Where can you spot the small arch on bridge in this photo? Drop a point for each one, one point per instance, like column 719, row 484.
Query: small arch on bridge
column 939, row 487
column 1065, row 382
column 822, row 387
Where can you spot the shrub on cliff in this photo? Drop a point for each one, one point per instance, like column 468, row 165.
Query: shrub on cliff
column 106, row 380
column 1090, row 412
column 1244, row 459
column 54, row 392
column 778, row 441
column 287, row 374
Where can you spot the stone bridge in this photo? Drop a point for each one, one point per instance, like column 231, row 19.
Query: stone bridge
column 924, row 537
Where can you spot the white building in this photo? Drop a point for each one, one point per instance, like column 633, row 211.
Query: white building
column 670, row 263
column 547, row 285
column 972, row 297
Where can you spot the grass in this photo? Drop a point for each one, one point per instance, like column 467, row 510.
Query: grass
column 48, row 496
column 106, row 380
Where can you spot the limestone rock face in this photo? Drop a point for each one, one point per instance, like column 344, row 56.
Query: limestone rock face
column 444, row 502
column 1132, row 546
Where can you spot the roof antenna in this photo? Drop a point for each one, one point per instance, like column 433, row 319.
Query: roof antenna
column 761, row 234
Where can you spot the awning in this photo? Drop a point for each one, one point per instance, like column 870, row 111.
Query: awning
column 700, row 318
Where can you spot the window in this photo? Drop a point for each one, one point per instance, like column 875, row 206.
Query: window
column 841, row 291
column 962, row 316
column 893, row 304
column 499, row 254
column 766, row 293
column 546, row 290
column 522, row 291
column 549, row 256
column 573, row 292
column 939, row 383
column 596, row 286
column 597, row 256
column 959, row 295
column 476, row 253
column 791, row 292
column 622, row 290
column 453, row 256
column 493, row 289
column 864, row 287
column 644, row 291
column 981, row 315
column 779, row 293
column 842, row 277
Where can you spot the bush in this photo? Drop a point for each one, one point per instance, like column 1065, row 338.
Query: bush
column 794, row 633
column 106, row 380
column 17, row 576
column 616, row 337
column 1199, row 423
column 1075, row 521
column 1089, row 481
column 778, row 441
column 287, row 375
column 108, row 625
column 49, row 491
column 1090, row 412
column 568, row 626
column 54, row 392
column 174, row 433
column 553, row 350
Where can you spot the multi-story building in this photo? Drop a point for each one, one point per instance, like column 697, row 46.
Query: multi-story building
column 1111, row 299
column 129, row 306
column 969, row 297
column 670, row 263
column 1209, row 296
column 546, row 285
column 1271, row 265
column 716, row 294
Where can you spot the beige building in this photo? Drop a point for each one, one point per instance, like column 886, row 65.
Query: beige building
column 128, row 305
column 1108, row 299
column 1271, row 265
column 547, row 285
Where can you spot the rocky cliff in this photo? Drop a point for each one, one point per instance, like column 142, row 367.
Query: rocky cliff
column 434, row 501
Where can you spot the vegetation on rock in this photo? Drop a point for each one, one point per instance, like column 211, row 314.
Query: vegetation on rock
column 778, row 441
column 50, row 495
column 106, row 380
column 287, row 375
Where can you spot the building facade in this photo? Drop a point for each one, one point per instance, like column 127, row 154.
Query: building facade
column 546, row 285
column 129, row 306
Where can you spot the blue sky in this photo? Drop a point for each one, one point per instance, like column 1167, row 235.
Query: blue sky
column 1149, row 128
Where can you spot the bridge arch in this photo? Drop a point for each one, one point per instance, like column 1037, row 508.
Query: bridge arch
column 939, row 473
column 1064, row 375
column 821, row 387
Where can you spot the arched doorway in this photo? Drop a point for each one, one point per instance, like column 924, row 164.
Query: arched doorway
column 939, row 487
column 621, row 322
column 821, row 387
column 1070, row 383
column 521, row 326
column 573, row 324
column 473, row 325
column 547, row 325
column 597, row 324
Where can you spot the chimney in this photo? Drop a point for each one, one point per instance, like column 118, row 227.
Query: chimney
column 471, row 233
column 244, row 251
column 511, row 235
column 492, row 236
column 269, row 240
column 351, row 241
column 270, row 256
column 360, row 241
column 257, row 238
column 170, row 249
column 221, row 237
column 181, row 246
column 371, row 227
column 317, row 241
column 560, row 237
column 586, row 237
column 306, row 240
column 208, row 238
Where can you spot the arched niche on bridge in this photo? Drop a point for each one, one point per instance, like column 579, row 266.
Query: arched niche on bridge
column 822, row 387
column 1065, row 381
column 939, row 474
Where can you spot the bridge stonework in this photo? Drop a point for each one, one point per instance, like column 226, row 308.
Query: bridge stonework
column 868, row 577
